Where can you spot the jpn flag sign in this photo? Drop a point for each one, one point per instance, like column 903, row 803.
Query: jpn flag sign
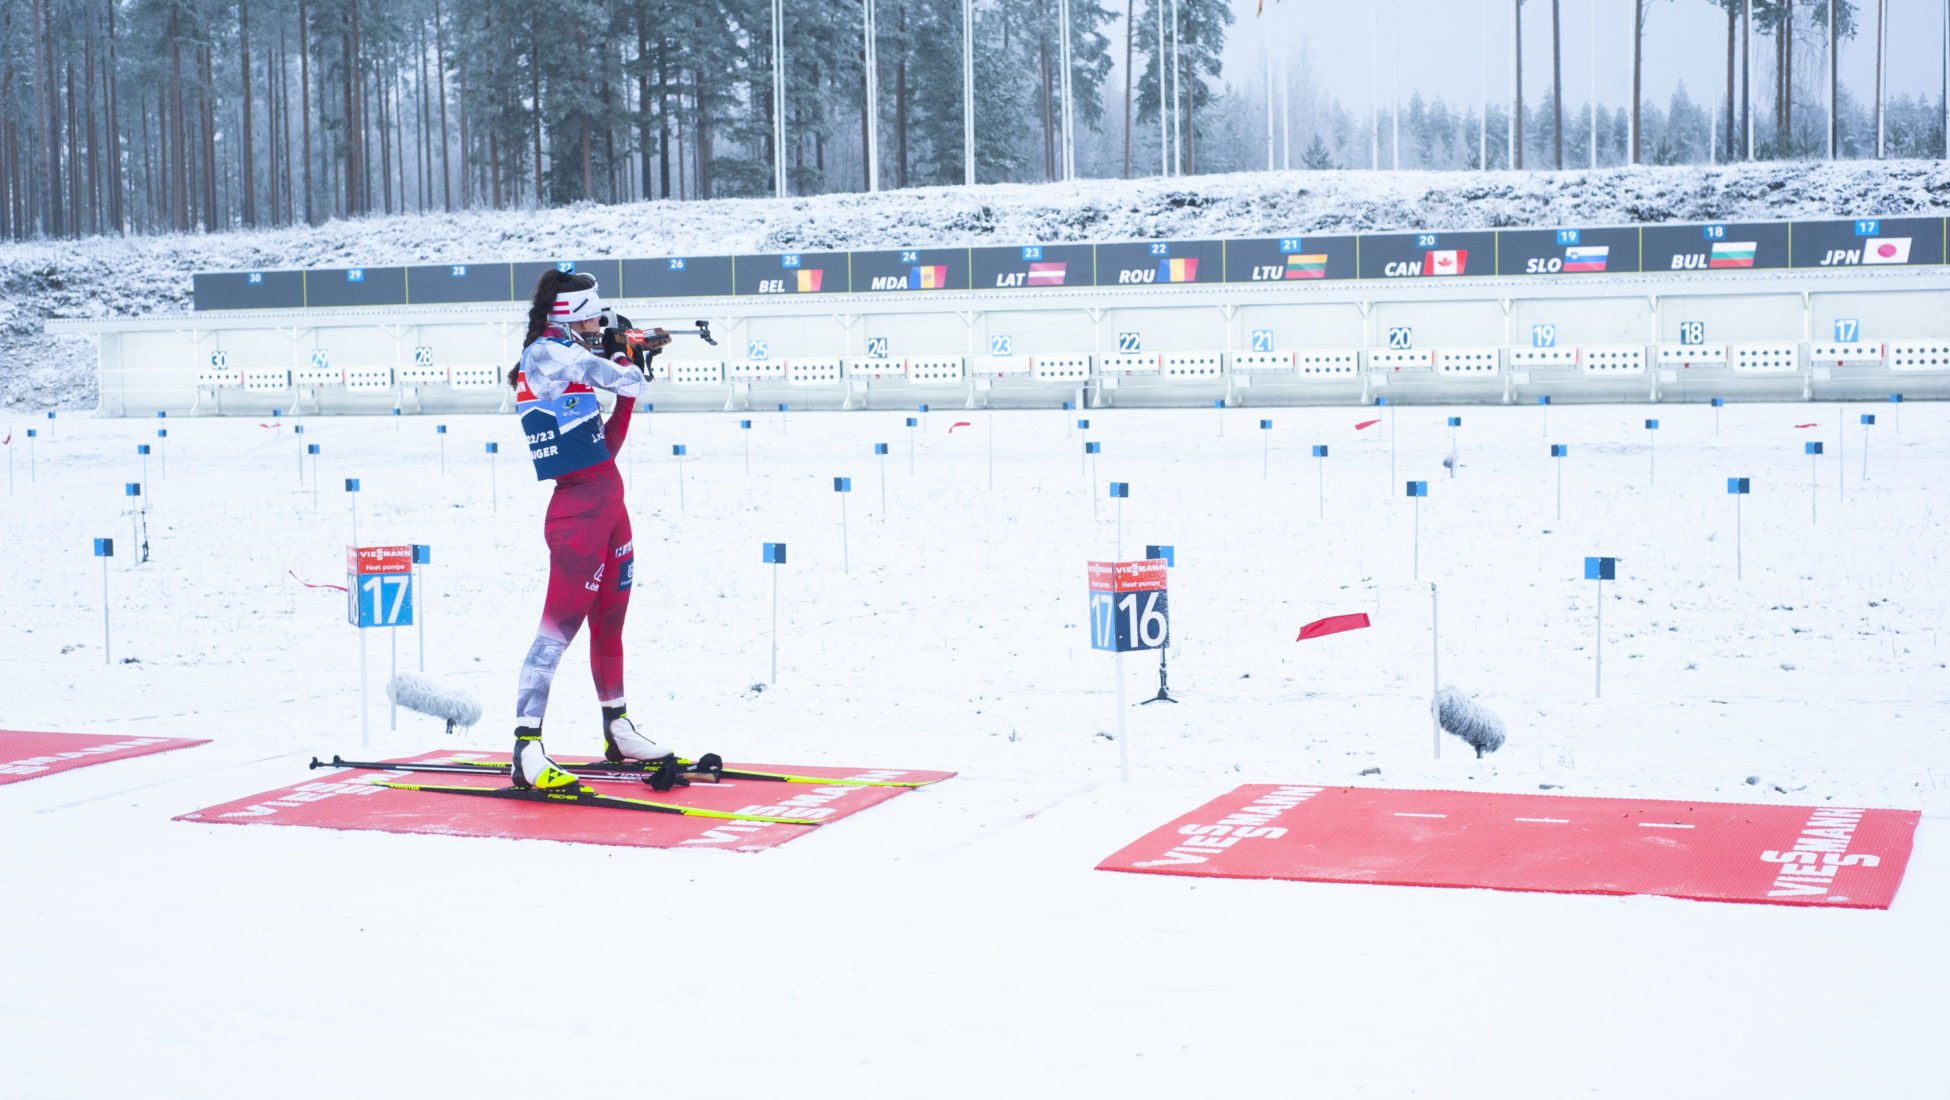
column 1448, row 261
column 1885, row 250
column 1333, row 624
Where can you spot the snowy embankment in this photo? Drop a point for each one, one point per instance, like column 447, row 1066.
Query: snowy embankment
column 102, row 277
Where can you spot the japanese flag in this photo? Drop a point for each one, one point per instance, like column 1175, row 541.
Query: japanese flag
column 1886, row 250
column 1446, row 262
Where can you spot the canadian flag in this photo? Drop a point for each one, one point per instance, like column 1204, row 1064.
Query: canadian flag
column 1446, row 262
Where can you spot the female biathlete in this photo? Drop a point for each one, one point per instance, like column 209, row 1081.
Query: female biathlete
column 591, row 564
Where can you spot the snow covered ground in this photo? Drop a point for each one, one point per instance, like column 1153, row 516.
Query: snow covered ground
column 102, row 277
column 956, row 941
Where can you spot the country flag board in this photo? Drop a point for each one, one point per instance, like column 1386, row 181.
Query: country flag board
column 1732, row 254
column 1178, row 271
column 809, row 280
column 1308, row 265
column 1046, row 274
column 1885, row 250
column 928, row 277
column 1586, row 258
column 1448, row 261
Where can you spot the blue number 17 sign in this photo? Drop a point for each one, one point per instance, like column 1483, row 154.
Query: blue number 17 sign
column 379, row 585
column 1129, row 607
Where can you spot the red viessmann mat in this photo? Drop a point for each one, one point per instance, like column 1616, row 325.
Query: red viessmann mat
column 347, row 799
column 1709, row 851
column 25, row 755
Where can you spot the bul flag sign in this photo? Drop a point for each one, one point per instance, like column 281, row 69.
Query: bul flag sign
column 1046, row 274
column 1333, row 624
column 1885, row 250
column 1587, row 258
column 809, row 280
column 1309, row 265
column 1178, row 271
column 1448, row 261
column 928, row 278
column 1732, row 254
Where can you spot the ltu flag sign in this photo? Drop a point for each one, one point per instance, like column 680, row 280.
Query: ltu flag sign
column 1732, row 254
column 1178, row 271
column 927, row 278
column 1050, row 274
column 1886, row 250
column 1590, row 258
column 1307, row 266
column 809, row 280
column 1446, row 262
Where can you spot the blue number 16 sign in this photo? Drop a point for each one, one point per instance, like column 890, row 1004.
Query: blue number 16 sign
column 1129, row 607
column 379, row 585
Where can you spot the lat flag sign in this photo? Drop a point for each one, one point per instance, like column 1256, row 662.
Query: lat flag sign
column 1333, row 624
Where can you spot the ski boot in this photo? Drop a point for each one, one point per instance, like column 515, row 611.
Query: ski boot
column 532, row 767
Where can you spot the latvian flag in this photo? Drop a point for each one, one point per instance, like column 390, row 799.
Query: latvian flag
column 1333, row 624
column 1446, row 262
column 1050, row 274
column 1885, row 250
column 1589, row 258
column 1732, row 254
column 809, row 280
column 927, row 278
column 1311, row 265
column 1178, row 271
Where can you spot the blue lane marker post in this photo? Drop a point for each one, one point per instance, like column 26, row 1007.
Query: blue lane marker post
column 775, row 557
column 299, row 431
column 678, row 451
column 1418, row 490
column 1559, row 451
column 783, row 409
column 440, row 433
column 843, row 486
column 1718, row 402
column 33, row 457
column 162, row 452
column 923, row 410
column 50, row 420
column 911, row 422
column 1895, row 399
column 1082, row 426
column 311, row 449
column 880, row 451
column 1068, row 407
column 139, row 545
column 1265, row 448
column 1868, row 421
column 1813, row 451
column 1091, row 448
column 142, row 450
column 1320, row 472
column 1120, row 491
column 422, row 555
column 746, row 427
column 1168, row 555
column 395, row 419
column 105, row 549
column 352, row 494
column 1652, row 451
column 1455, row 422
column 1738, row 487
column 1544, row 409
column 1600, row 570
column 494, row 490
column 1219, row 405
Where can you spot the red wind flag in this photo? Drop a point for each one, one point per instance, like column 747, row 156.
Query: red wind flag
column 1332, row 624
column 1806, row 425
column 1366, row 424
column 959, row 424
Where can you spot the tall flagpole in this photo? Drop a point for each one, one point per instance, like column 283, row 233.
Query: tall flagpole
column 873, row 98
column 1483, row 129
column 778, row 98
column 1069, row 117
column 968, row 91
column 1177, row 120
column 1594, row 86
column 1164, row 106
